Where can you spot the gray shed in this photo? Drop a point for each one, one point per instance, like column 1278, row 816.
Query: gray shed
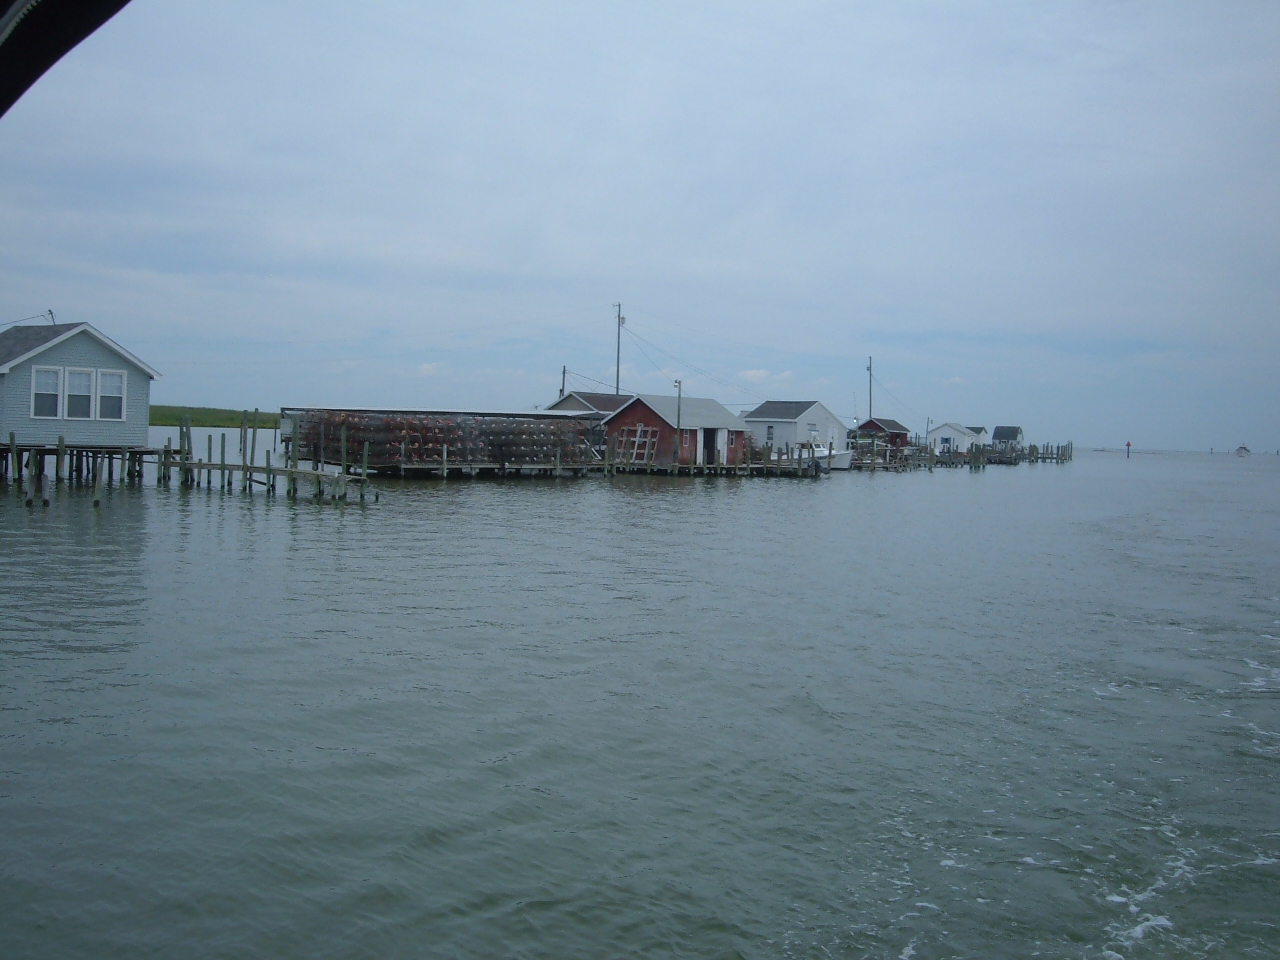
column 1006, row 439
column 72, row 381
column 786, row 423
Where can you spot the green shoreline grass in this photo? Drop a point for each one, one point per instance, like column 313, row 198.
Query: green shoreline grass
column 170, row 416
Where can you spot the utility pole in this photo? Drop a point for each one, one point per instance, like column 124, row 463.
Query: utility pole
column 617, row 367
column 868, row 388
column 563, row 371
column 679, row 432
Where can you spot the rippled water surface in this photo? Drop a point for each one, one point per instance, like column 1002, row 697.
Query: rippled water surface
column 1027, row 712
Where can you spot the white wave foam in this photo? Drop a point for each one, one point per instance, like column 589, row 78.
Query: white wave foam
column 1150, row 923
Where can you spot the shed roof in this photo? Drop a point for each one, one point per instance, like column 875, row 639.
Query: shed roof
column 19, row 341
column 883, row 423
column 24, row 342
column 780, row 410
column 599, row 402
column 954, row 428
column 694, row 412
column 1006, row 433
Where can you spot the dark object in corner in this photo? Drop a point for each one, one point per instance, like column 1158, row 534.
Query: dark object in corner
column 36, row 34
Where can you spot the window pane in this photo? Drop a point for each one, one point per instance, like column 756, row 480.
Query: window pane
column 80, row 381
column 46, row 405
column 48, row 381
column 111, row 408
column 111, row 384
column 79, row 406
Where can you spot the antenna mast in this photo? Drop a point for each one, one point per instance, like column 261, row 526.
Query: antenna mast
column 617, row 365
column 868, row 388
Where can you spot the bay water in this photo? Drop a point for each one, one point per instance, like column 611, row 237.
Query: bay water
column 1030, row 711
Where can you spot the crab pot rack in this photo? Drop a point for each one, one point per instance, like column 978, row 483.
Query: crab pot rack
column 425, row 443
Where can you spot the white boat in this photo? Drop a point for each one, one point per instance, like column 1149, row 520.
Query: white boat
column 1243, row 451
column 806, row 453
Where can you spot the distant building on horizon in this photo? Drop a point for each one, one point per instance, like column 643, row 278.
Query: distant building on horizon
column 952, row 438
column 708, row 432
column 1006, row 439
column 882, row 428
column 787, row 423
column 600, row 404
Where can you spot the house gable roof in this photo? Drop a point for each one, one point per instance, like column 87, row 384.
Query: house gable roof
column 694, row 412
column 888, row 426
column 19, row 344
column 597, row 402
column 977, row 431
column 1006, row 433
column 780, row 410
column 953, row 428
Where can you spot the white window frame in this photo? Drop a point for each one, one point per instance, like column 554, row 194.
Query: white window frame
column 124, row 397
column 62, row 400
column 93, row 392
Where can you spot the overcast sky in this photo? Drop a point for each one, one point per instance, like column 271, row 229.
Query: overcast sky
column 1060, row 215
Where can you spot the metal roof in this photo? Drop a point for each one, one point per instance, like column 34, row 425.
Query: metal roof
column 888, row 426
column 400, row 412
column 598, row 402
column 22, row 343
column 780, row 410
column 977, row 430
column 1006, row 433
column 954, row 427
column 694, row 412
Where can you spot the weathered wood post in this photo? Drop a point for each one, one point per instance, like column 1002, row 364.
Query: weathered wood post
column 15, row 458
column 208, row 477
column 344, row 448
column 444, row 462
column 222, row 466
column 62, row 455
column 270, row 477
column 402, row 450
column 253, row 448
column 162, row 475
column 97, row 482
column 364, row 470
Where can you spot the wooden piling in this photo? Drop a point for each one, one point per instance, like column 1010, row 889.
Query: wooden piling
column 364, row 470
column 343, row 436
column 253, row 448
column 444, row 462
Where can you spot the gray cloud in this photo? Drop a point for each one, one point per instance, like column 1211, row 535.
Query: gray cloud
column 1061, row 215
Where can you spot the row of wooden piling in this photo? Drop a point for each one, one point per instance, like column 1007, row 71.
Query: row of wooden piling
column 193, row 472
column 82, row 466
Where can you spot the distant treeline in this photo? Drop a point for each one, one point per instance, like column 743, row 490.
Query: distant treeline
column 165, row 416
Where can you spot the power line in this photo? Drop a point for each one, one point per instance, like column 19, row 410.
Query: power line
column 709, row 376
column 582, row 376
column 38, row 316
column 904, row 406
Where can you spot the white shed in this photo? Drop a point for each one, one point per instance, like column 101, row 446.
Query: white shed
column 786, row 423
column 952, row 438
